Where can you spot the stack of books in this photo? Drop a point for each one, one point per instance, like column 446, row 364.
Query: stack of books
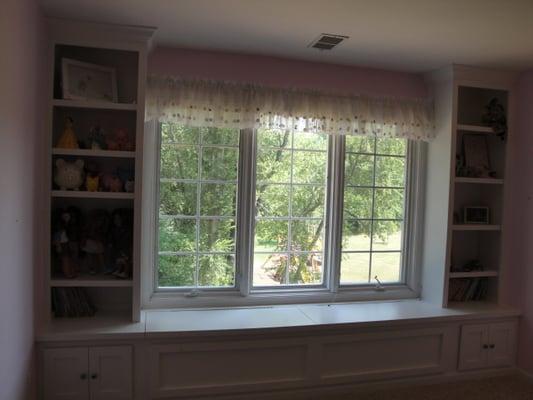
column 467, row 289
column 72, row 302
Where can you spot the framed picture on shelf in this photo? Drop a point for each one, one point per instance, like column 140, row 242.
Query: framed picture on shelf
column 85, row 81
column 476, row 215
column 476, row 156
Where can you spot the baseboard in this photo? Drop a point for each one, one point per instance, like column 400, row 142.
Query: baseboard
column 313, row 392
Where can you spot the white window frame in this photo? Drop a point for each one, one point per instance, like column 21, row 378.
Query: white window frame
column 244, row 294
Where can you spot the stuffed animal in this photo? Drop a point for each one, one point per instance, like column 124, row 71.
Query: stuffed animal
column 65, row 239
column 111, row 183
column 68, row 139
column 69, row 175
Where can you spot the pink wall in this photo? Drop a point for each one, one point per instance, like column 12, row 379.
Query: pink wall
column 518, row 258
column 20, row 26
column 279, row 72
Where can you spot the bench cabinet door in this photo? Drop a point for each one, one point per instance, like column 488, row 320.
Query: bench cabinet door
column 110, row 372
column 65, row 374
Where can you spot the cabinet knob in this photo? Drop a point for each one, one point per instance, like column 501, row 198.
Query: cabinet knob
column 485, row 346
column 492, row 346
column 83, row 377
column 94, row 376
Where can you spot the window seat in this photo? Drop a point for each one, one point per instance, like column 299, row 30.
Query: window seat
column 307, row 318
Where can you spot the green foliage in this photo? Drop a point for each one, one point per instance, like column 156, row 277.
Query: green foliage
column 291, row 172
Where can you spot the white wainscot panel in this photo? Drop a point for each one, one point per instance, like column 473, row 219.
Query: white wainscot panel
column 180, row 370
column 386, row 355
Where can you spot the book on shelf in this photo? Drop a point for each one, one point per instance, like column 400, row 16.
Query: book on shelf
column 468, row 289
column 72, row 302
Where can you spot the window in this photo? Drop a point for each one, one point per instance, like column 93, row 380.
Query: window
column 291, row 170
column 374, row 193
column 275, row 211
column 197, row 206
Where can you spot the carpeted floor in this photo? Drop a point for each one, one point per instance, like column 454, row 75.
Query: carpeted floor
column 511, row 387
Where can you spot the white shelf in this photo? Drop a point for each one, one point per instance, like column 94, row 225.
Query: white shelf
column 480, row 227
column 101, row 105
column 483, row 181
column 475, row 128
column 473, row 274
column 92, row 153
column 87, row 280
column 93, row 195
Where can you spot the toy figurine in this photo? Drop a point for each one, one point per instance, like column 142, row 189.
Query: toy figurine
column 65, row 239
column 126, row 176
column 69, row 175
column 95, row 232
column 96, row 138
column 68, row 139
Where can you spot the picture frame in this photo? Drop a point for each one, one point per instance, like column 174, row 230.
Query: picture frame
column 476, row 215
column 86, row 81
column 476, row 156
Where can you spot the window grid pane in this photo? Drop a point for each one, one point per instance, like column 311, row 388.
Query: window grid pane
column 375, row 239
column 288, row 260
column 208, row 259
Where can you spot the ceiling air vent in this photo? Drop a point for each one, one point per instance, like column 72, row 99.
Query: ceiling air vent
column 327, row 41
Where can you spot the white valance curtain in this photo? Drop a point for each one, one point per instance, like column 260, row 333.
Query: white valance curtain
column 222, row 104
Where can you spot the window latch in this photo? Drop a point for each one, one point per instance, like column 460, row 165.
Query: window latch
column 192, row 293
column 379, row 286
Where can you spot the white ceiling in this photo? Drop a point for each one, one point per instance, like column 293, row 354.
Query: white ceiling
column 408, row 35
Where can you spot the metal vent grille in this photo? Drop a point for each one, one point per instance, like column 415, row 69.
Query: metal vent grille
column 327, row 41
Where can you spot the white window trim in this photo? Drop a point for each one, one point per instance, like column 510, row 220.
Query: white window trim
column 243, row 294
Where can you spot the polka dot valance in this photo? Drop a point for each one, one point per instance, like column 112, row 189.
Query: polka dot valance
column 222, row 104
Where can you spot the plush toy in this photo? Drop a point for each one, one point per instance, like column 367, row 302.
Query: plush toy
column 111, row 183
column 69, row 175
column 68, row 139
column 94, row 235
column 65, row 239
column 92, row 183
column 495, row 116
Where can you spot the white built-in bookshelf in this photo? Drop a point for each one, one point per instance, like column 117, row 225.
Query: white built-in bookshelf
column 105, row 235
column 473, row 260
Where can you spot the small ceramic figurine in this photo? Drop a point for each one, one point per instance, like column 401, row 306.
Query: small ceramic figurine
column 120, row 141
column 68, row 139
column 92, row 182
column 69, row 175
column 120, row 241
column 96, row 138
column 111, row 183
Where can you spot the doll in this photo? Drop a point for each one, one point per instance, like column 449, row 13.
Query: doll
column 120, row 241
column 65, row 239
column 93, row 244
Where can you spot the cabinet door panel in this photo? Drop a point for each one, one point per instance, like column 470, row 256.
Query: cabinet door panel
column 473, row 355
column 110, row 373
column 502, row 338
column 65, row 374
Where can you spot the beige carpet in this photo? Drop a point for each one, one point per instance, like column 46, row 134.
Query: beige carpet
column 512, row 387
